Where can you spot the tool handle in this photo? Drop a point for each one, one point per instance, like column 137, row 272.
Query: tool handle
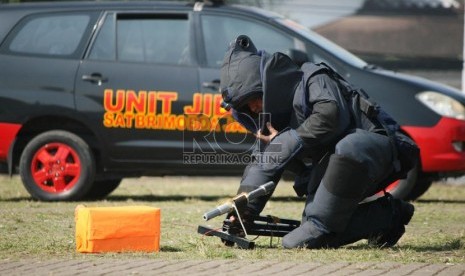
column 228, row 206
column 218, row 211
column 261, row 191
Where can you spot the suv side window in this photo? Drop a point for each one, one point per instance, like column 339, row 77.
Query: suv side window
column 145, row 38
column 219, row 31
column 49, row 34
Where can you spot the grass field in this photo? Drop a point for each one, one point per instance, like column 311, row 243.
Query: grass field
column 39, row 230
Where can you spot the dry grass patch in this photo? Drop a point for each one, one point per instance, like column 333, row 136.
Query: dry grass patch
column 31, row 229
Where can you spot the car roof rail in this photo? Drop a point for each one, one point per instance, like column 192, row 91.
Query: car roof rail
column 211, row 2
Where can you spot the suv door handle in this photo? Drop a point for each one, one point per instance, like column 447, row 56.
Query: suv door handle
column 214, row 84
column 95, row 78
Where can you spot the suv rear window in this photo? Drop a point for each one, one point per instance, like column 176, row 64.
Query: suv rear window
column 49, row 34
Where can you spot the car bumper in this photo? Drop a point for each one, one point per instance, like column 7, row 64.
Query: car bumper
column 8, row 134
column 442, row 147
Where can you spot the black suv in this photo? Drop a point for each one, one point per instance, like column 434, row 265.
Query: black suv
column 91, row 92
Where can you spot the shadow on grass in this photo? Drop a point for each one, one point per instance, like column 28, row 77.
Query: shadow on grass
column 170, row 249
column 452, row 245
column 17, row 199
column 455, row 244
column 121, row 198
column 188, row 197
column 158, row 198
column 448, row 201
column 434, row 248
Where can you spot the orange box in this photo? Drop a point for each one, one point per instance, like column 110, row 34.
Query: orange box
column 117, row 229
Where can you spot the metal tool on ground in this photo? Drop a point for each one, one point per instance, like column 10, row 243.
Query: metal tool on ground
column 235, row 229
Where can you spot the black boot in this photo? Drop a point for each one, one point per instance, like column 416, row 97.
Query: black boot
column 402, row 214
column 381, row 221
column 308, row 235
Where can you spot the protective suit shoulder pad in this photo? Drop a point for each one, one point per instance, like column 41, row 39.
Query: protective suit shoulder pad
column 311, row 69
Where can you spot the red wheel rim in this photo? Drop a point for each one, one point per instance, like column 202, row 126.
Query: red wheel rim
column 56, row 167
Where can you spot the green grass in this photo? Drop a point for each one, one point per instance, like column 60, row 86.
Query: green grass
column 40, row 230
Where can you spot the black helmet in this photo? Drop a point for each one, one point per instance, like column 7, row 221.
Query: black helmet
column 240, row 74
column 247, row 73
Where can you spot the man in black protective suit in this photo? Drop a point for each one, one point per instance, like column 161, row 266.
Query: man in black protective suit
column 308, row 115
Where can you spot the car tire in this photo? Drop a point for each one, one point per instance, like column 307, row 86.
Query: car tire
column 400, row 188
column 102, row 188
column 419, row 189
column 57, row 166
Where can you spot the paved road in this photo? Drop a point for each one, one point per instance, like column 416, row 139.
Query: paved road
column 220, row 267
